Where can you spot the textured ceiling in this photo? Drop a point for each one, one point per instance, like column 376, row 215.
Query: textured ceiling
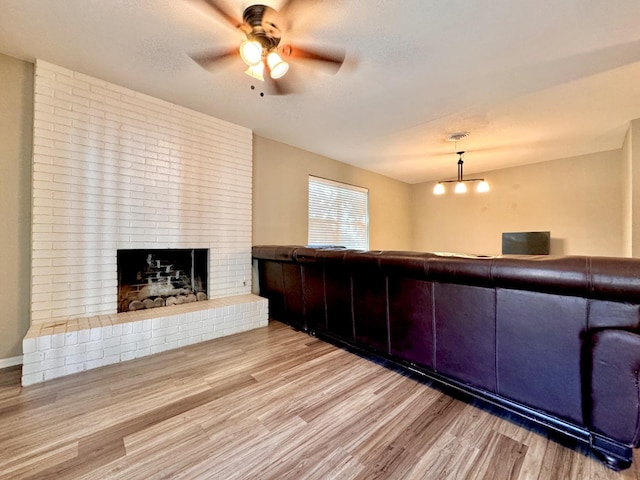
column 532, row 81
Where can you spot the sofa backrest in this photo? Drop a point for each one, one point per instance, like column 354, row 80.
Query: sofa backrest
column 516, row 326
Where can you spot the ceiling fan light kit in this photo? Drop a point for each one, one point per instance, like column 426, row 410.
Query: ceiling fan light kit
column 262, row 41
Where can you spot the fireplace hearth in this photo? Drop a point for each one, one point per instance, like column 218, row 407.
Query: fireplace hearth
column 161, row 277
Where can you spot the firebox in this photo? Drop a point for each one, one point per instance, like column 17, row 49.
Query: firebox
column 158, row 278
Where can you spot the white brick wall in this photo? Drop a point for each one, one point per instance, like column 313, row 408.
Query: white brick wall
column 116, row 169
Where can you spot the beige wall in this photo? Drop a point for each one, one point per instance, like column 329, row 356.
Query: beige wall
column 578, row 199
column 16, row 124
column 280, row 197
column 626, row 184
column 631, row 189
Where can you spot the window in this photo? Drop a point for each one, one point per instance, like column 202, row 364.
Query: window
column 338, row 214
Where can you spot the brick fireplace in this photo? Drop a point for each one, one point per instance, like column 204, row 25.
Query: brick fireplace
column 116, row 170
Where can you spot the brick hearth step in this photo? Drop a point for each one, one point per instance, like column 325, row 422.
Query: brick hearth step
column 66, row 346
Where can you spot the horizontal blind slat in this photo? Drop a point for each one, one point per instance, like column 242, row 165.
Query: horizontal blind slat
column 338, row 214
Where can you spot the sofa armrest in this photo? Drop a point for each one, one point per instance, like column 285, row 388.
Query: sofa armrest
column 615, row 389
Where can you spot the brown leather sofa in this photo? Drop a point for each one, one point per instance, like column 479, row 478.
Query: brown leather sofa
column 554, row 339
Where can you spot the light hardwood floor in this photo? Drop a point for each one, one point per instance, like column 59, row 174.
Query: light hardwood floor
column 271, row 403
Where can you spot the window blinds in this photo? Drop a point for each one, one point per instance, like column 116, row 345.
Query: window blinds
column 338, row 214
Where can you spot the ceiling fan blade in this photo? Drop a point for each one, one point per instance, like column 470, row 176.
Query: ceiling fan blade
column 220, row 9
column 333, row 60
column 280, row 86
column 287, row 5
column 277, row 87
column 298, row 15
column 210, row 59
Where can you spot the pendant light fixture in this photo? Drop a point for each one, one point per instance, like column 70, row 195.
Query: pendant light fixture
column 461, row 182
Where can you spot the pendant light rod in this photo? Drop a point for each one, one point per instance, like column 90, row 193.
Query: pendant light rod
column 461, row 173
column 460, row 188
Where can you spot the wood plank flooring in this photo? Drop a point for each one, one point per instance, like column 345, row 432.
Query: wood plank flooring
column 271, row 403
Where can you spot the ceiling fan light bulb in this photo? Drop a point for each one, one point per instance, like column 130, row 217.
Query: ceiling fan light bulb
column 251, row 52
column 482, row 187
column 460, row 188
column 256, row 71
column 438, row 189
column 277, row 66
column 279, row 70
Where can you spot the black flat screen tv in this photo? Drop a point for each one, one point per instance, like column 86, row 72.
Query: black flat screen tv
column 526, row 243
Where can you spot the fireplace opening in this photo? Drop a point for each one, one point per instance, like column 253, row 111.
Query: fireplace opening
column 158, row 278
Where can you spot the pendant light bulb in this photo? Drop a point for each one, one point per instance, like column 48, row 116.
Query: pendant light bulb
column 438, row 189
column 460, row 188
column 482, row 187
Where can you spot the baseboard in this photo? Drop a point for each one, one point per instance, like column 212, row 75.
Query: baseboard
column 10, row 362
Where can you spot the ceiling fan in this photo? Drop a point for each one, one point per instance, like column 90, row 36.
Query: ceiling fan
column 262, row 50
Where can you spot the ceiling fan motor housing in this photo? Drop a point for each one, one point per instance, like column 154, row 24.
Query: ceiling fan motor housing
column 263, row 31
